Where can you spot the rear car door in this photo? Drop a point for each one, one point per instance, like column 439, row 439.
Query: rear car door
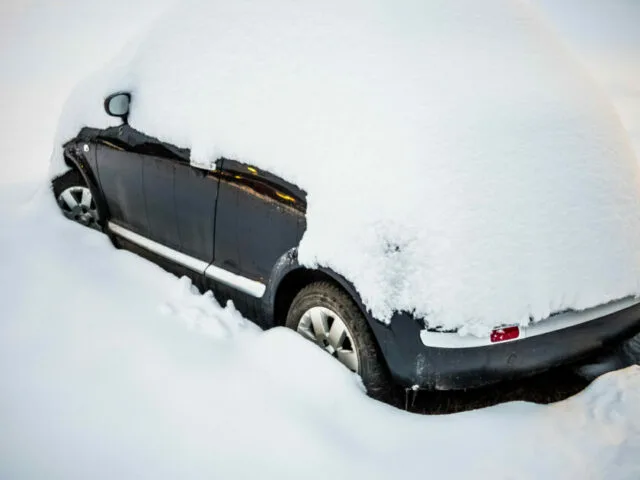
column 259, row 218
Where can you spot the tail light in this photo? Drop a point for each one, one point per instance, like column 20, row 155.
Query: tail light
column 504, row 334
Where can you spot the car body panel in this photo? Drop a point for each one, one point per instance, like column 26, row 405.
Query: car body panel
column 120, row 175
column 158, row 179
column 256, row 220
column 195, row 194
column 412, row 363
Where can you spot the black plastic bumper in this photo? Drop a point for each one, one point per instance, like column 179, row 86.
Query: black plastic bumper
column 412, row 363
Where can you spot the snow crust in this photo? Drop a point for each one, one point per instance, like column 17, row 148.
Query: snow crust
column 459, row 163
column 112, row 368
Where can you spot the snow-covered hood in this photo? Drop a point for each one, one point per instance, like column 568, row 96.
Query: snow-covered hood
column 458, row 163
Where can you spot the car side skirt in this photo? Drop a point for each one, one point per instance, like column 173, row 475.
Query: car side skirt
column 245, row 285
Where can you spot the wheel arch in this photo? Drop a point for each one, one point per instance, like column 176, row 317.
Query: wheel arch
column 289, row 277
column 76, row 159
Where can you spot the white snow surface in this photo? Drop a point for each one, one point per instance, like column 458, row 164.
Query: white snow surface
column 459, row 163
column 605, row 36
column 46, row 48
column 112, row 368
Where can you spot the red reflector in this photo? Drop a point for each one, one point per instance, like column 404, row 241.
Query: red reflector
column 503, row 334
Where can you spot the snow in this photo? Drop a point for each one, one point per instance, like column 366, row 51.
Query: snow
column 459, row 163
column 605, row 37
column 46, row 48
column 111, row 368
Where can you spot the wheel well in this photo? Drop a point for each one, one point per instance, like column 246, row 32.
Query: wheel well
column 91, row 182
column 70, row 163
column 295, row 281
column 289, row 287
column 72, row 166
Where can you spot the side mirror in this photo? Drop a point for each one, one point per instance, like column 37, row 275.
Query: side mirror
column 117, row 105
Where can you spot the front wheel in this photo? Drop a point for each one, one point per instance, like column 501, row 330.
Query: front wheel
column 76, row 200
column 325, row 315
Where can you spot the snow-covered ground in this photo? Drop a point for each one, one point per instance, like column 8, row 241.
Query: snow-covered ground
column 111, row 368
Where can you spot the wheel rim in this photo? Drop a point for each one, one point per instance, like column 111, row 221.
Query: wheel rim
column 77, row 204
column 326, row 329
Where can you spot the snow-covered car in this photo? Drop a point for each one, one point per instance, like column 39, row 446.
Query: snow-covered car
column 435, row 193
column 235, row 229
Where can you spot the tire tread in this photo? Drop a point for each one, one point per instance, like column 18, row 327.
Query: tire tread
column 373, row 370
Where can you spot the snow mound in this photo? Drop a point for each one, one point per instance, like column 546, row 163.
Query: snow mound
column 97, row 383
column 202, row 313
column 458, row 163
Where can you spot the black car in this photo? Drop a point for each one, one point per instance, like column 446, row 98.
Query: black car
column 235, row 229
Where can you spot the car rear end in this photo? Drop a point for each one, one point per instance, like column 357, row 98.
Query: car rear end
column 432, row 359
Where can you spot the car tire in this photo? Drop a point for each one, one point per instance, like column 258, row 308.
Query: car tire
column 323, row 299
column 75, row 199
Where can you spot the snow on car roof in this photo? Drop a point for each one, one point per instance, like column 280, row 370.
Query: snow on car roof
column 459, row 163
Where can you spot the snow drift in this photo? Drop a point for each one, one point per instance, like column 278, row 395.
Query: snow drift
column 110, row 368
column 458, row 163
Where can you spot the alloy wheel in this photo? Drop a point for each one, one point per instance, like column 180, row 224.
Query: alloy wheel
column 78, row 204
column 327, row 330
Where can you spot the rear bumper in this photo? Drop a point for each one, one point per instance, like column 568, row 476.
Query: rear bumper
column 413, row 363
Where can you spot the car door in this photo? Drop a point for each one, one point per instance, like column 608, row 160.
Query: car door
column 120, row 177
column 175, row 201
column 195, row 193
column 158, row 183
column 180, row 201
column 259, row 218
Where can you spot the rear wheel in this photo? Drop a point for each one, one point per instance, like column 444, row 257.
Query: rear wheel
column 76, row 200
column 325, row 315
